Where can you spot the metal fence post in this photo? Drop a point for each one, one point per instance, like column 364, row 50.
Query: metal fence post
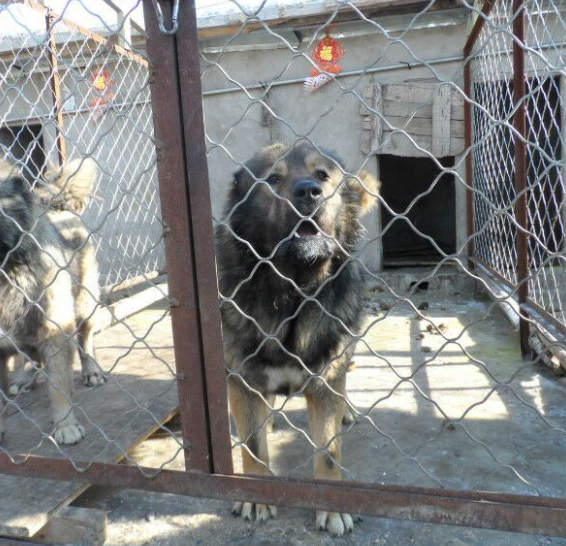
column 55, row 81
column 201, row 219
column 171, row 167
column 519, row 124
column 179, row 126
column 469, row 167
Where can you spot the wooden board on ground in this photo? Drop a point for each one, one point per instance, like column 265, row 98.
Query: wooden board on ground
column 141, row 395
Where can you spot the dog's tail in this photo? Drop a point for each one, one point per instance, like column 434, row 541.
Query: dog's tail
column 70, row 187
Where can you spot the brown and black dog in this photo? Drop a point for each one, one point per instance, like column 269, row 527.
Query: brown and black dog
column 292, row 300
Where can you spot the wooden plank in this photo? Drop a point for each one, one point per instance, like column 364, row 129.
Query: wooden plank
column 422, row 126
column 441, row 106
column 140, row 395
column 124, row 308
column 417, row 110
column 278, row 14
column 73, row 525
column 377, row 129
column 399, row 144
column 367, row 95
column 421, row 93
column 372, row 123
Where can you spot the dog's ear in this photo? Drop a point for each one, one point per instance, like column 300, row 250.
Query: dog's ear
column 72, row 185
column 366, row 187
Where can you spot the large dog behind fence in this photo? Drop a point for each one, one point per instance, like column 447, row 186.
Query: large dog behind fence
column 304, row 220
column 49, row 285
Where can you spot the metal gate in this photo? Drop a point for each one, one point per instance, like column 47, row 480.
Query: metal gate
column 500, row 236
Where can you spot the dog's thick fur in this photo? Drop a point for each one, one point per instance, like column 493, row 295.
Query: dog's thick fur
column 311, row 342
column 48, row 283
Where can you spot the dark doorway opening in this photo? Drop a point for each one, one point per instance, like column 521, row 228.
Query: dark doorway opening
column 24, row 143
column 434, row 214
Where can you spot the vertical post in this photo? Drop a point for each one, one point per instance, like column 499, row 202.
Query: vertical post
column 172, row 171
column 468, row 152
column 562, row 86
column 55, row 81
column 201, row 220
column 185, row 202
column 519, row 124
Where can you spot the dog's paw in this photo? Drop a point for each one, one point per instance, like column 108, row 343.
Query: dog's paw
column 93, row 378
column 335, row 523
column 251, row 511
column 24, row 379
column 20, row 386
column 92, row 374
column 69, row 434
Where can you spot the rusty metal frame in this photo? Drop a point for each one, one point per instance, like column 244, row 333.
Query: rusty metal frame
column 55, row 83
column 519, row 137
column 183, row 179
column 470, row 42
column 84, row 31
column 519, row 124
column 51, row 20
column 187, row 213
column 518, row 513
column 529, row 309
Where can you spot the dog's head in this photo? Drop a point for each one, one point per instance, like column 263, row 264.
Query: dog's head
column 16, row 212
column 304, row 211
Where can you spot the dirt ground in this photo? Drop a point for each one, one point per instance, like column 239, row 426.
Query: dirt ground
column 444, row 400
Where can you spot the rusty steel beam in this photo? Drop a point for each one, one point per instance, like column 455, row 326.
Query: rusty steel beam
column 520, row 157
column 469, row 166
column 179, row 241
column 203, row 249
column 517, row 513
column 478, row 25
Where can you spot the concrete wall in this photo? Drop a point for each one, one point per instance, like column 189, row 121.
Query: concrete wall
column 330, row 116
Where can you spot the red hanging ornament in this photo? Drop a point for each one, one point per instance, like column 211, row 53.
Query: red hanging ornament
column 325, row 54
column 102, row 86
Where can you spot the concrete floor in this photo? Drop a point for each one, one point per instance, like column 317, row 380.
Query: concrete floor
column 454, row 407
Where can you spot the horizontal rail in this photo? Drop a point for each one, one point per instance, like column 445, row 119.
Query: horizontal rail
column 518, row 513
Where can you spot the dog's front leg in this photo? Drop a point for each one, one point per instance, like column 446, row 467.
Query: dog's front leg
column 252, row 417
column 326, row 410
column 58, row 354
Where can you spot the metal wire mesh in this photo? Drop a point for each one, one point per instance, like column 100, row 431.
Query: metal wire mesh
column 81, row 230
column 127, row 231
column 393, row 115
column 409, row 377
column 494, row 170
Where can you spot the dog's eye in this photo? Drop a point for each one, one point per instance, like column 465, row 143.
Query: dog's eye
column 274, row 179
column 322, row 175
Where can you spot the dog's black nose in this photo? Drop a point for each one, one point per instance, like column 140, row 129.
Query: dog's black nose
column 307, row 190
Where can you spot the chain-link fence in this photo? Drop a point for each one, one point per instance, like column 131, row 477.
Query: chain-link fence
column 521, row 195
column 353, row 326
column 71, row 93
